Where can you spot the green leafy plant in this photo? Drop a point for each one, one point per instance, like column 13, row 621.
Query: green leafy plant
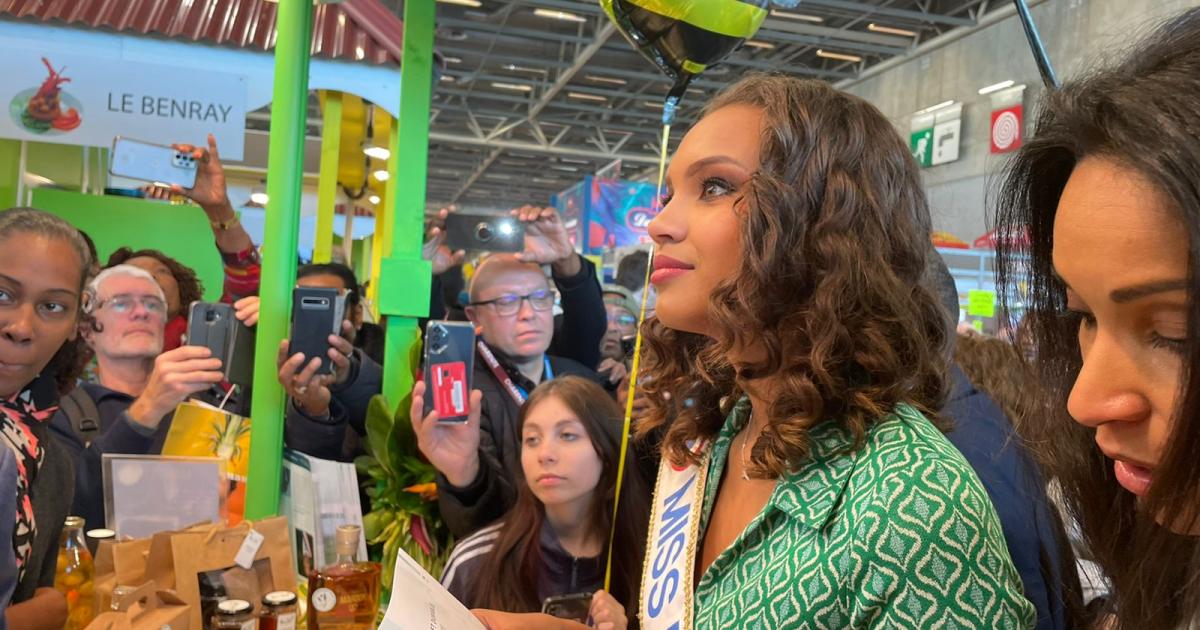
column 400, row 484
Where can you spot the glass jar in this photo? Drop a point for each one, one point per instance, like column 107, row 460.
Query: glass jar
column 234, row 614
column 278, row 611
column 73, row 576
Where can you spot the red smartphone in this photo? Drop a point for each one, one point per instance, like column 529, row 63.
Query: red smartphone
column 449, row 363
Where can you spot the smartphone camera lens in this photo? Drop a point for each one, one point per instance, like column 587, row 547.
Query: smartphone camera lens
column 484, row 232
column 211, row 316
column 437, row 339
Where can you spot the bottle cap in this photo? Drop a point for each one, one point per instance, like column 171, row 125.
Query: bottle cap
column 279, row 598
column 101, row 534
column 347, row 539
column 74, row 522
column 233, row 607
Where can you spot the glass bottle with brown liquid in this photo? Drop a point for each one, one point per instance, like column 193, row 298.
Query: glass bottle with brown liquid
column 345, row 594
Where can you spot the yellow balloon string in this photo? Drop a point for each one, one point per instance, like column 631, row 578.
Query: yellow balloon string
column 633, row 372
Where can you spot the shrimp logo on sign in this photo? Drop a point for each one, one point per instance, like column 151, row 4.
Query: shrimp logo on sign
column 1006, row 129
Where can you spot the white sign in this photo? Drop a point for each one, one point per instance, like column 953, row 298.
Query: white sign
column 73, row 99
column 946, row 140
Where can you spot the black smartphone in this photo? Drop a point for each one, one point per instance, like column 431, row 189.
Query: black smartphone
column 575, row 607
column 484, row 232
column 627, row 345
column 449, row 363
column 214, row 326
column 316, row 314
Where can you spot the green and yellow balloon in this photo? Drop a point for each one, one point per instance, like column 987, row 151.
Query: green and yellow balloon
column 683, row 37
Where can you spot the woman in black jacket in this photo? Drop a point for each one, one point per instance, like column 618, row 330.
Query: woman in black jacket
column 43, row 267
column 555, row 539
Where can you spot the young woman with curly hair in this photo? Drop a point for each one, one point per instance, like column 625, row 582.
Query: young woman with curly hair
column 1107, row 191
column 796, row 360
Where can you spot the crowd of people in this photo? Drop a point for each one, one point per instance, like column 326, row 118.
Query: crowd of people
column 815, row 445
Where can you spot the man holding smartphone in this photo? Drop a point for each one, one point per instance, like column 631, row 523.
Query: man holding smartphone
column 127, row 411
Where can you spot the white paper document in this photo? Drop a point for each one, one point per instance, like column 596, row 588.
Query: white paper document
column 420, row 602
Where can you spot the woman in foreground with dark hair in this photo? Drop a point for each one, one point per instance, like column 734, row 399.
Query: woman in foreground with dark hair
column 794, row 362
column 44, row 264
column 554, row 540
column 1107, row 188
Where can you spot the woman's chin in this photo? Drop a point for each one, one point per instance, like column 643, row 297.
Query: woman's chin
column 687, row 318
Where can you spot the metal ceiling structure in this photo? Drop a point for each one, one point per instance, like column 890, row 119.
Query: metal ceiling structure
column 536, row 94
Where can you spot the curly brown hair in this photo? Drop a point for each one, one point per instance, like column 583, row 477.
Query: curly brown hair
column 998, row 368
column 190, row 288
column 834, row 235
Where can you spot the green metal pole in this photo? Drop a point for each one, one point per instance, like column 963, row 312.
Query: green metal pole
column 404, row 277
column 285, row 171
column 331, row 145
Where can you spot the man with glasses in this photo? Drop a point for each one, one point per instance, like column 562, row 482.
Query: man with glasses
column 138, row 385
column 512, row 304
column 622, row 327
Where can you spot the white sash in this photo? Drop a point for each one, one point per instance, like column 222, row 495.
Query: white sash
column 670, row 567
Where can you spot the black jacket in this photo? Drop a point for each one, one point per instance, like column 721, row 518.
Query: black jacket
column 492, row 493
column 51, row 495
column 560, row 572
column 338, row 435
column 118, row 434
column 584, row 319
column 1035, row 536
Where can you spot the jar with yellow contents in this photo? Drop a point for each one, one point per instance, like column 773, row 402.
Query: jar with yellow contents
column 73, row 577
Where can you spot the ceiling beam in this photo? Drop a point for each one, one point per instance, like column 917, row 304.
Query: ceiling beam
column 581, row 59
column 531, row 147
column 872, row 9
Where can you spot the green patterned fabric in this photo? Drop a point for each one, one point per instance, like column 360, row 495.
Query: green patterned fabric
column 899, row 534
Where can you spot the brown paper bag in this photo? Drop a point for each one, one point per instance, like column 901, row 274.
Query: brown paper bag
column 205, row 571
column 146, row 608
column 118, row 563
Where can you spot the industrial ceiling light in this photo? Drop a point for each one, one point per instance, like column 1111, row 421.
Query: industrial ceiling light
column 516, row 87
column 839, row 56
column 559, row 15
column 788, row 15
column 374, row 199
column 754, row 43
column 600, row 79
column 934, row 108
column 996, row 87
column 379, row 153
column 890, row 30
column 587, row 97
column 453, row 59
column 474, row 4
column 381, row 175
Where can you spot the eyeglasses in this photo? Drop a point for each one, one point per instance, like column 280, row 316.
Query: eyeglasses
column 509, row 304
column 625, row 320
column 124, row 304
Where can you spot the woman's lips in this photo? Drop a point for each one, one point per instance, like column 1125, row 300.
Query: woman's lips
column 667, row 268
column 1133, row 477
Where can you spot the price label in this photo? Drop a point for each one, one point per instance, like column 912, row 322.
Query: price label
column 981, row 303
column 324, row 599
column 245, row 555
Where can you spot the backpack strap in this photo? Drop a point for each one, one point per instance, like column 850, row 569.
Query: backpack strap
column 81, row 410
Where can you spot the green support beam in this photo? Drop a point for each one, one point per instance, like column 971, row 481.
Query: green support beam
column 403, row 272
column 331, row 144
column 285, row 171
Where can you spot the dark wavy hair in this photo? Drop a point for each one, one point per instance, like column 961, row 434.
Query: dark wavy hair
column 834, row 237
column 68, row 363
column 1140, row 112
column 507, row 580
column 190, row 287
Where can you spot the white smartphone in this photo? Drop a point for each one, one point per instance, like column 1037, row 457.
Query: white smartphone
column 154, row 163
